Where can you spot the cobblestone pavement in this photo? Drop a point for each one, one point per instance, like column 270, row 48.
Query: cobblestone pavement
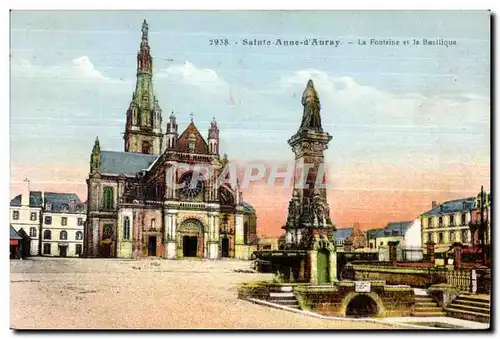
column 59, row 293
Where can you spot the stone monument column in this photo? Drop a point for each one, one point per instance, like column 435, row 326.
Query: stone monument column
column 308, row 210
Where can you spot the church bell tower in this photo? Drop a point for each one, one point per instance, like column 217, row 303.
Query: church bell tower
column 143, row 132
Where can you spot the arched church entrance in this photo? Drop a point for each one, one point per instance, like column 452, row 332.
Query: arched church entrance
column 191, row 238
column 361, row 306
column 323, row 266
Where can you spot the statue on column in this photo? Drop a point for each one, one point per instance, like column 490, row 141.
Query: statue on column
column 95, row 157
column 311, row 118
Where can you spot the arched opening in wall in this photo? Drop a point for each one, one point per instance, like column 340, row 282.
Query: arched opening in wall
column 361, row 306
column 191, row 238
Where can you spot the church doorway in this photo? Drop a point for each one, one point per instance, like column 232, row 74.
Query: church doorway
column 225, row 247
column 191, row 238
column 152, row 246
column 190, row 246
column 322, row 266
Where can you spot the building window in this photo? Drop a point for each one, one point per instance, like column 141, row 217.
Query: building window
column 429, row 237
column 80, row 221
column 79, row 235
column 64, row 207
column 108, row 198
column 15, row 215
column 33, row 216
column 465, row 237
column 153, row 224
column 452, row 237
column 463, row 219
column 48, row 220
column 441, row 237
column 381, row 243
column 47, row 234
column 46, row 248
column 146, row 148
column 126, row 228
column 63, row 235
column 78, row 249
column 192, row 143
column 33, row 232
column 452, row 220
column 64, row 221
column 371, row 245
column 440, row 221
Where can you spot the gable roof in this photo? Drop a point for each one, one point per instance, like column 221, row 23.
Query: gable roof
column 398, row 228
column 126, row 163
column 201, row 146
column 14, row 234
column 393, row 229
column 452, row 206
column 61, row 201
column 344, row 233
column 35, row 199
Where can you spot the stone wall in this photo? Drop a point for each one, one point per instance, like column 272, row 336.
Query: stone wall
column 334, row 300
column 415, row 277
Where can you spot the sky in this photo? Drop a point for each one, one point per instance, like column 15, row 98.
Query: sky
column 410, row 124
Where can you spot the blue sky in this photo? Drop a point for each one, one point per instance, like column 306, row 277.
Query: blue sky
column 393, row 111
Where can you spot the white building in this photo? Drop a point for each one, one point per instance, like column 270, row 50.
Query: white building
column 63, row 223
column 406, row 234
column 25, row 212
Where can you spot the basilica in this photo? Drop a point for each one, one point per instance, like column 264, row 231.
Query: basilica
column 141, row 204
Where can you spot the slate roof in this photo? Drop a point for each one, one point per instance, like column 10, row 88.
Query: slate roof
column 344, row 233
column 61, row 201
column 35, row 199
column 393, row 229
column 126, row 163
column 373, row 233
column 248, row 208
column 452, row 206
column 14, row 234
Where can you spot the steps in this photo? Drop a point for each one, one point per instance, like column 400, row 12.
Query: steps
column 425, row 306
column 470, row 307
column 283, row 295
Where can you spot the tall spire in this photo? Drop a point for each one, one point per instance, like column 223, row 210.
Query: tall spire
column 144, row 59
column 143, row 132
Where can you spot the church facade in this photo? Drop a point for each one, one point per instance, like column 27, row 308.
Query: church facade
column 142, row 202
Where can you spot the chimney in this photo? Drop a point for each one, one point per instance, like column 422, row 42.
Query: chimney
column 434, row 203
column 25, row 197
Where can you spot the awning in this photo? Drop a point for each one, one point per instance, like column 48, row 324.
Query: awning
column 14, row 234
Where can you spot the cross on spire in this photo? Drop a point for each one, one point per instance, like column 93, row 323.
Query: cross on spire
column 191, row 116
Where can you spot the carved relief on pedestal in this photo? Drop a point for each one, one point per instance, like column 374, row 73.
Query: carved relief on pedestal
column 307, row 148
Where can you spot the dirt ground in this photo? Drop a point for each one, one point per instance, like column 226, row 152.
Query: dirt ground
column 60, row 293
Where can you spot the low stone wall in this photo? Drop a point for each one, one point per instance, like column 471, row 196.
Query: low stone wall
column 415, row 277
column 261, row 289
column 334, row 300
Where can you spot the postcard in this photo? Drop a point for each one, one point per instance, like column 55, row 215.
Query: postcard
column 250, row 170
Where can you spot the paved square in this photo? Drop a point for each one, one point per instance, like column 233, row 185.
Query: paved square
column 59, row 293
